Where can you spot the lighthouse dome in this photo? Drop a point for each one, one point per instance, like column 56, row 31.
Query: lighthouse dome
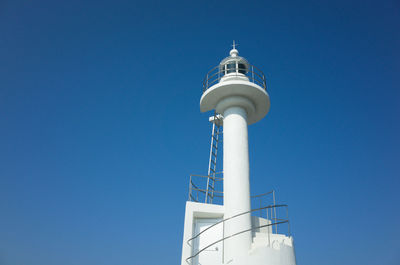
column 234, row 64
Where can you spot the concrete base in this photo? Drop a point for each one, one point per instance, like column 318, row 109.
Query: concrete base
column 267, row 248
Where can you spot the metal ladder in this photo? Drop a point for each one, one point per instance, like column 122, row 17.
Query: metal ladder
column 216, row 138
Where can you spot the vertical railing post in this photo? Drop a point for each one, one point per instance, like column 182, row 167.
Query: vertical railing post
column 287, row 218
column 272, row 219
column 252, row 73
column 206, row 82
column 223, row 241
column 190, row 188
column 208, row 179
column 265, row 82
column 237, row 68
column 273, row 195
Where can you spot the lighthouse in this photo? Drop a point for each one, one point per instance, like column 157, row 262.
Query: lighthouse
column 221, row 226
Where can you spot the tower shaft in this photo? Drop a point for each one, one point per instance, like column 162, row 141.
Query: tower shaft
column 236, row 181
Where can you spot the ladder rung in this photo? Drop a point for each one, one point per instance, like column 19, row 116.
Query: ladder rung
column 215, row 147
column 212, row 161
column 214, row 154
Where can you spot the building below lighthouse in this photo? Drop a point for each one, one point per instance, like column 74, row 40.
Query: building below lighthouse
column 224, row 223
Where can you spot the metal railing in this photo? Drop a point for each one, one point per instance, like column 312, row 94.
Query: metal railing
column 271, row 214
column 254, row 75
column 198, row 194
column 277, row 222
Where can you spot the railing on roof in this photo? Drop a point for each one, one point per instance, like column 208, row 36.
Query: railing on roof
column 254, row 74
column 199, row 194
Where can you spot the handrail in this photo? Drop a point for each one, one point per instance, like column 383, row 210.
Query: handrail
column 273, row 200
column 254, row 74
column 203, row 190
column 263, row 194
column 211, row 75
column 191, row 182
column 232, row 217
column 238, row 233
column 207, row 176
column 194, row 189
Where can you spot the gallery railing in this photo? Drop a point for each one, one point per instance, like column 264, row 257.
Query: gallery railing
column 254, row 74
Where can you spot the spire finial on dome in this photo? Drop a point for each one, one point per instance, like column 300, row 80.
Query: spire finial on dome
column 234, row 52
column 234, row 45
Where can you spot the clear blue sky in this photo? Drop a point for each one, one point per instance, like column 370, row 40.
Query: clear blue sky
column 100, row 125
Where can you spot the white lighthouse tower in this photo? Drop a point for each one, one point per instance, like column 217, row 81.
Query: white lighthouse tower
column 221, row 227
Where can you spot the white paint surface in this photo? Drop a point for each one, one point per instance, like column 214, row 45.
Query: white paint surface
column 193, row 212
column 236, row 182
column 212, row 254
column 237, row 86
